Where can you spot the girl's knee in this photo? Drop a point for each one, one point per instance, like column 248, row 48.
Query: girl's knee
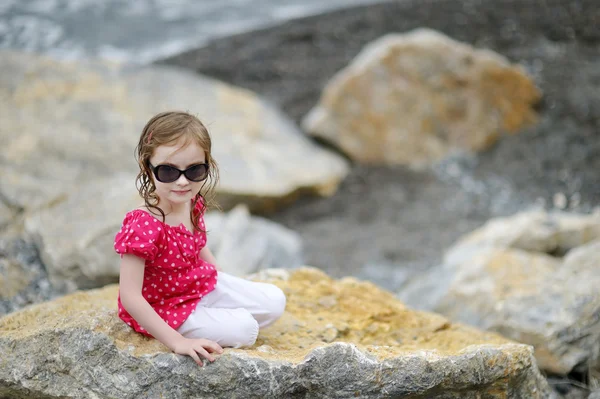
column 278, row 302
column 275, row 306
column 228, row 327
column 247, row 330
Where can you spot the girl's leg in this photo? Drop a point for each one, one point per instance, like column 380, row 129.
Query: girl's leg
column 232, row 313
column 227, row 327
column 265, row 302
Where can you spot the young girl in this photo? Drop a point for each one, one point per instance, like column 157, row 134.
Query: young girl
column 169, row 287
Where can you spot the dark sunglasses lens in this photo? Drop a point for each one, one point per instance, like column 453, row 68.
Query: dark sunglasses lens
column 197, row 172
column 166, row 174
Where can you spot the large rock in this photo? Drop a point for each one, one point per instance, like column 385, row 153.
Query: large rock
column 532, row 277
column 79, row 122
column 75, row 237
column 244, row 244
column 414, row 98
column 337, row 339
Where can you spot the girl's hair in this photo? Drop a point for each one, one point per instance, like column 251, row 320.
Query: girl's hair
column 164, row 129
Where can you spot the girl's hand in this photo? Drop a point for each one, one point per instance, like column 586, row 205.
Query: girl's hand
column 193, row 347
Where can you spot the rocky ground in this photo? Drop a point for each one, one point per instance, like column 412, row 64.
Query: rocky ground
column 385, row 223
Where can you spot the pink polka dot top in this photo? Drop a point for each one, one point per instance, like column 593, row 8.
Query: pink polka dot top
column 175, row 277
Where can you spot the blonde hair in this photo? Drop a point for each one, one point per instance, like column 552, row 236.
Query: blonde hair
column 164, row 129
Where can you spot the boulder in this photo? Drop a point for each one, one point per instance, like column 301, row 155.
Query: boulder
column 244, row 244
column 532, row 277
column 414, row 98
column 79, row 253
column 75, row 237
column 343, row 339
column 78, row 122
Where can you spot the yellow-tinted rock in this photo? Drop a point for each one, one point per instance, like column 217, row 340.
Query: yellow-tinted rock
column 414, row 98
column 337, row 339
column 362, row 314
column 84, row 119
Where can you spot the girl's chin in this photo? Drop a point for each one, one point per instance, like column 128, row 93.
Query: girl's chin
column 178, row 197
column 181, row 193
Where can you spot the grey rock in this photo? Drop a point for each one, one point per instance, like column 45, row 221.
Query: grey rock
column 75, row 236
column 244, row 244
column 83, row 120
column 531, row 277
column 76, row 347
column 87, row 365
column 23, row 279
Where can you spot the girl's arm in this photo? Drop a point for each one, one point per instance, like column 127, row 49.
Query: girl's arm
column 130, row 287
column 207, row 256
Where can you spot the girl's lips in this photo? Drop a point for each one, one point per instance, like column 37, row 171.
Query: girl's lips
column 181, row 191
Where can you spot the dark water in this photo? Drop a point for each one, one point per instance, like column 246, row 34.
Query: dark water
column 140, row 31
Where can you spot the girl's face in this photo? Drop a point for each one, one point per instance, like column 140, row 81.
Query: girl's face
column 180, row 156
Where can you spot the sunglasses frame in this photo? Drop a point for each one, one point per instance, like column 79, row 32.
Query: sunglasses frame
column 154, row 170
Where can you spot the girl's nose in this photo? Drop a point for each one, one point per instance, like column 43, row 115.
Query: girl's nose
column 182, row 181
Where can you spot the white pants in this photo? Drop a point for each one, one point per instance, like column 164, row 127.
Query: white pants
column 232, row 313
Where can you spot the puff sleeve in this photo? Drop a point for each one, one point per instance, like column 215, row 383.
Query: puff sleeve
column 140, row 235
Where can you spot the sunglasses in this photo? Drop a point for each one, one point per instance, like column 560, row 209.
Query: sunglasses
column 169, row 174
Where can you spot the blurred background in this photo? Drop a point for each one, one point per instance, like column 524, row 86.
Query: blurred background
column 139, row 32
column 389, row 215
column 511, row 88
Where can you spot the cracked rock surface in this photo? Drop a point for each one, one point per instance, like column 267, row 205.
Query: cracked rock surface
column 338, row 338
